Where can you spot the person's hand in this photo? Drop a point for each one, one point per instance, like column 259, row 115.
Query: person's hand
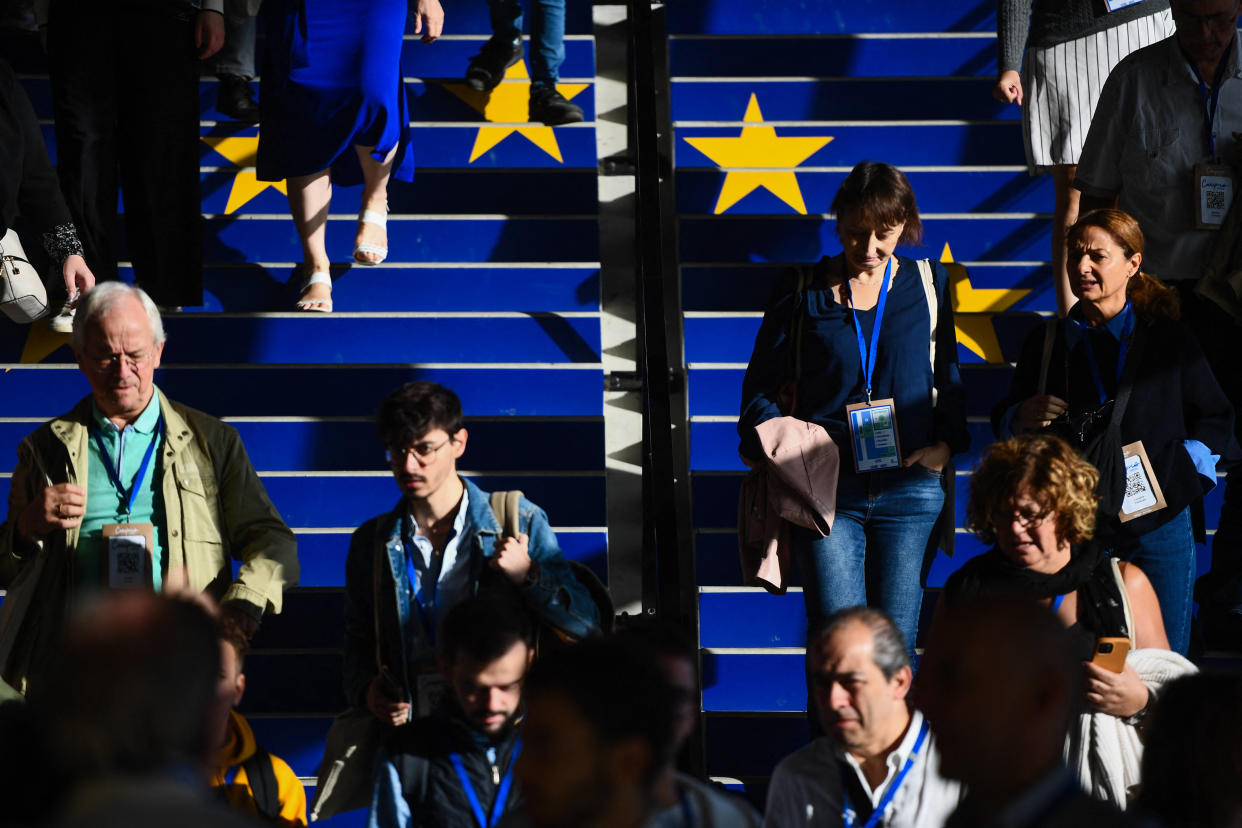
column 429, row 20
column 1037, row 412
column 78, row 277
column 1118, row 694
column 1008, row 88
column 208, row 33
column 513, row 558
column 933, row 457
column 56, row 508
column 383, row 708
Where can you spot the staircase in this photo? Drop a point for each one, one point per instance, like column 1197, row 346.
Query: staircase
column 492, row 287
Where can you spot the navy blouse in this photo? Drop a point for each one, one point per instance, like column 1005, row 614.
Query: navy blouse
column 929, row 398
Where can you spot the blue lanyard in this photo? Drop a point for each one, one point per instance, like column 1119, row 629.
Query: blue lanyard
column 687, row 812
column 867, row 356
column 1056, row 602
column 502, row 793
column 1209, row 110
column 1126, row 330
column 114, row 472
column 426, row 608
column 850, row 815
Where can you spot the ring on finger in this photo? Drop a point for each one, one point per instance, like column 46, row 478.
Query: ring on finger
column 59, row 512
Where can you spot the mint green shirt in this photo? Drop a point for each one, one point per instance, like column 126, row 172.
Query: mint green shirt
column 104, row 504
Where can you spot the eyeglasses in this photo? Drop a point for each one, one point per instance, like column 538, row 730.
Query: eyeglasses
column 1216, row 22
column 423, row 452
column 134, row 361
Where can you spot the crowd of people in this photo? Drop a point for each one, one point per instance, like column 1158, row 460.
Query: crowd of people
column 485, row 683
column 332, row 108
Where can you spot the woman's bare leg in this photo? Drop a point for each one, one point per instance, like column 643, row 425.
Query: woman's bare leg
column 309, row 199
column 375, row 175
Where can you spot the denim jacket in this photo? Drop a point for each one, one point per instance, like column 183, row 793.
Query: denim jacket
column 555, row 596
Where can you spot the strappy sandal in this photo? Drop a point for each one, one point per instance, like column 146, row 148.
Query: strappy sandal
column 379, row 220
column 319, row 277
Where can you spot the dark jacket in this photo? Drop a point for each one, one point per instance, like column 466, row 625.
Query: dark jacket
column 1175, row 398
column 555, row 596
column 929, row 398
column 416, row 783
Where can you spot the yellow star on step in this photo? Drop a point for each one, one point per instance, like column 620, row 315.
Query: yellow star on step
column 509, row 103
column 976, row 332
column 241, row 151
column 759, row 147
column 41, row 342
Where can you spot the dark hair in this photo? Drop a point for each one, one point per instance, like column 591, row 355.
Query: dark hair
column 1149, row 297
column 1054, row 474
column 888, row 645
column 232, row 634
column 484, row 627
column 1192, row 760
column 660, row 639
column 131, row 684
column 878, row 195
column 414, row 409
column 619, row 690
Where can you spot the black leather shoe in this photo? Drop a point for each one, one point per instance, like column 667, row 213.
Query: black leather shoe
column 235, row 99
column 550, row 107
column 487, row 68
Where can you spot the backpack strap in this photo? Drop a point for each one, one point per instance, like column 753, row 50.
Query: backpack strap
column 504, row 507
column 926, row 275
column 1050, row 336
column 261, row 776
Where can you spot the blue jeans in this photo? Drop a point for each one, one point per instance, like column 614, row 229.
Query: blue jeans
column 878, row 547
column 236, row 56
column 1167, row 556
column 547, row 34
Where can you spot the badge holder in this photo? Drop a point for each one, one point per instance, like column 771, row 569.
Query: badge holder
column 1143, row 495
column 1215, row 186
column 127, row 560
column 873, row 433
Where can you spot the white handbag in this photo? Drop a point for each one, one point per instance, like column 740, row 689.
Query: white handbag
column 22, row 295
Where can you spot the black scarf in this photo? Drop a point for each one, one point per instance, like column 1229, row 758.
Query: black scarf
column 1101, row 611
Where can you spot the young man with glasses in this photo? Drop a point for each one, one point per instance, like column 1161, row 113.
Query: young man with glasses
column 440, row 544
column 128, row 489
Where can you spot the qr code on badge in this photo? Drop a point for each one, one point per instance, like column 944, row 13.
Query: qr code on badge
column 128, row 562
column 1136, row 482
column 1214, row 199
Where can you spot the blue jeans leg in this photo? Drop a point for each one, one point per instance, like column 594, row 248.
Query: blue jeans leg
column 506, row 17
column 547, row 41
column 1167, row 556
column 877, row 548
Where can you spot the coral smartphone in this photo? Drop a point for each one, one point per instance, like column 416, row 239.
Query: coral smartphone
column 1110, row 653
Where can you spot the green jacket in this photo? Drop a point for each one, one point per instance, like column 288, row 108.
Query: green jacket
column 215, row 508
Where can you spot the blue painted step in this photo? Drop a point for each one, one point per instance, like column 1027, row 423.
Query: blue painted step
column 794, row 238
column 779, row 17
column 349, row 500
column 322, row 554
column 749, row 746
column 310, row 338
column 937, row 144
column 844, row 56
column 305, row 683
column 718, row 391
column 970, row 191
column 749, row 287
column 921, row 99
column 247, row 390
column 404, row 287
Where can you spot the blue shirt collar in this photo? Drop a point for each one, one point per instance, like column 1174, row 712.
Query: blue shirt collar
column 1077, row 325
column 145, row 424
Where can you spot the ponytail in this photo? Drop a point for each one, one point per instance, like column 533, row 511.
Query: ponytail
column 1151, row 298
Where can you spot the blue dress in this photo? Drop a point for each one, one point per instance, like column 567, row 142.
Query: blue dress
column 332, row 80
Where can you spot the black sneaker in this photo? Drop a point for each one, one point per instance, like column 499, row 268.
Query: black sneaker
column 487, row 68
column 235, row 99
column 550, row 107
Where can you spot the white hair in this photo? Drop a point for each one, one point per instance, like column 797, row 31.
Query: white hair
column 100, row 300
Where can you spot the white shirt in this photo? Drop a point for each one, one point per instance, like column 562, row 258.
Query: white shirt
column 453, row 585
column 1145, row 140
column 806, row 786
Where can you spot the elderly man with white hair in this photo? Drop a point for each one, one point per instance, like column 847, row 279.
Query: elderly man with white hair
column 130, row 490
